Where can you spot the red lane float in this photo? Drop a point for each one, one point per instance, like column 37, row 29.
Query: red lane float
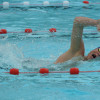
column 43, row 70
column 86, row 2
column 74, row 71
column 52, row 30
column 28, row 30
column 3, row 31
column 14, row 71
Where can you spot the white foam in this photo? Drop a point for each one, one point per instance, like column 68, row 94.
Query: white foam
column 10, row 55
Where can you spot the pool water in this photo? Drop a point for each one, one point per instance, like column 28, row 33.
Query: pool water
column 40, row 49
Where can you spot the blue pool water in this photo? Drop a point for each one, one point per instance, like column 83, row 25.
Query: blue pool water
column 30, row 52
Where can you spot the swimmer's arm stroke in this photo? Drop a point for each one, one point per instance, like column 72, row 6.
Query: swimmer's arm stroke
column 77, row 44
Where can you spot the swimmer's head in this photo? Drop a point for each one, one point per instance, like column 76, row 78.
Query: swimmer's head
column 93, row 54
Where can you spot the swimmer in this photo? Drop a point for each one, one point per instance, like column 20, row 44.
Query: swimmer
column 77, row 44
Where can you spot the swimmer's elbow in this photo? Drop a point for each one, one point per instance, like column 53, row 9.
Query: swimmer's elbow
column 78, row 20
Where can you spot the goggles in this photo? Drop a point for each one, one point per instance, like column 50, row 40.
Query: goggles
column 93, row 55
column 99, row 49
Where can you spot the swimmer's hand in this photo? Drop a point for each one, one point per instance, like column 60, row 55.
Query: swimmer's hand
column 98, row 25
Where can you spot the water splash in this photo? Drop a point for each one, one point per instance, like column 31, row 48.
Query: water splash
column 10, row 56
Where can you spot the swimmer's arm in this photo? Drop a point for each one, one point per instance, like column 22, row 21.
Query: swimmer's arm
column 77, row 44
column 64, row 57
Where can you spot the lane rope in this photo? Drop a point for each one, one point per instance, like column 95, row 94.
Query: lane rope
column 51, row 30
column 6, row 5
column 15, row 71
